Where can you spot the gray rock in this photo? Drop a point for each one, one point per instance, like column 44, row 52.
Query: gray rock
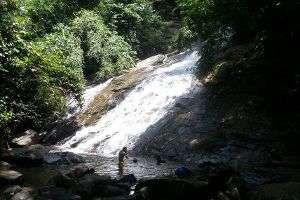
column 286, row 191
column 57, row 193
column 173, row 188
column 60, row 180
column 142, row 194
column 62, row 158
column 115, row 198
column 27, row 138
column 130, row 178
column 26, row 156
column 79, row 172
column 4, row 165
column 10, row 177
column 51, row 158
column 110, row 190
column 89, row 185
column 9, row 191
column 23, row 196
column 96, row 179
column 222, row 196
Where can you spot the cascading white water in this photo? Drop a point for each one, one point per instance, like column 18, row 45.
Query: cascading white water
column 88, row 97
column 147, row 103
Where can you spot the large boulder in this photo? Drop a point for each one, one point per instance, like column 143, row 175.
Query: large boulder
column 60, row 180
column 51, row 158
column 96, row 179
column 142, row 194
column 286, row 191
column 4, row 165
column 57, row 193
column 23, row 196
column 173, row 188
column 9, row 191
column 114, row 198
column 63, row 158
column 110, row 190
column 130, row 178
column 89, row 185
column 10, row 177
column 79, row 172
column 29, row 137
column 26, row 156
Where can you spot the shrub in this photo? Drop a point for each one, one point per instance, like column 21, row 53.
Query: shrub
column 105, row 53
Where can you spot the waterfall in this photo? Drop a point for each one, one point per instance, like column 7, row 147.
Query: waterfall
column 88, row 96
column 147, row 103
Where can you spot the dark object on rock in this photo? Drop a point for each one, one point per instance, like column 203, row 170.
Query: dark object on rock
column 159, row 160
column 4, row 165
column 130, row 178
column 57, row 193
column 60, row 180
column 134, row 160
column 79, row 172
column 9, row 191
column 10, row 177
column 183, row 172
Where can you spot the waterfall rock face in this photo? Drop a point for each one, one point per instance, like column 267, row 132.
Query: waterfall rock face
column 148, row 102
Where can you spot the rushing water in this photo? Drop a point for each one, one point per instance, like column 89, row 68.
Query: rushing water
column 88, row 96
column 147, row 103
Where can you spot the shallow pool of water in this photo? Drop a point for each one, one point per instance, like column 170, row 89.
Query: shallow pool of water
column 36, row 177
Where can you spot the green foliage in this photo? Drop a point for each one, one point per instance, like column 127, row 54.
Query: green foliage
column 48, row 47
column 183, row 38
column 137, row 22
column 45, row 14
column 5, row 119
column 105, row 53
column 60, row 69
column 269, row 26
column 36, row 76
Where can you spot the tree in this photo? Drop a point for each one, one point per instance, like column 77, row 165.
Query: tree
column 105, row 53
column 36, row 76
column 137, row 22
column 270, row 26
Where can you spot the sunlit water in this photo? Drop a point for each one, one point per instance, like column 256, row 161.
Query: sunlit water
column 147, row 103
column 37, row 176
column 88, row 96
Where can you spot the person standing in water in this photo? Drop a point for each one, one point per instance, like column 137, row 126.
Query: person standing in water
column 122, row 154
